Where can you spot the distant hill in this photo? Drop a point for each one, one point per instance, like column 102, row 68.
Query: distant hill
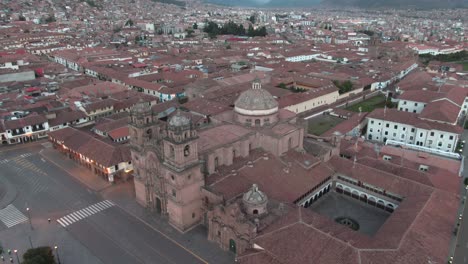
column 266, row 3
column 417, row 4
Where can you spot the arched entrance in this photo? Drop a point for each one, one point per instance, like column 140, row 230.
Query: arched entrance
column 232, row 245
column 158, row 205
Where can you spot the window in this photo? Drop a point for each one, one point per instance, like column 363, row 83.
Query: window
column 187, row 151
column 404, row 102
column 385, row 157
column 172, row 177
column 442, row 136
column 421, row 134
column 449, row 146
column 372, row 121
column 171, row 151
column 370, row 130
column 193, row 215
column 189, row 176
column 432, row 134
column 255, row 212
column 414, row 111
column 411, row 138
column 439, row 144
column 219, row 233
column 387, row 125
column 173, row 193
column 404, row 128
column 402, row 136
column 423, row 168
column 429, row 142
column 415, row 104
column 395, row 127
column 394, row 134
column 401, row 108
column 412, row 130
column 386, row 133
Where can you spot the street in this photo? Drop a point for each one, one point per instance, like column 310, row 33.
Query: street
column 461, row 247
column 85, row 227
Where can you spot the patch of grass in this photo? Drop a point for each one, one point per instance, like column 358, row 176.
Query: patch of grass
column 319, row 125
column 465, row 65
column 370, row 104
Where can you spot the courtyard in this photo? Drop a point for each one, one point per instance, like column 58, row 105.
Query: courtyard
column 370, row 104
column 357, row 215
column 321, row 124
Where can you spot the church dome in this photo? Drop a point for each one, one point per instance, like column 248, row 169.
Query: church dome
column 255, row 201
column 256, row 102
column 141, row 108
column 179, row 120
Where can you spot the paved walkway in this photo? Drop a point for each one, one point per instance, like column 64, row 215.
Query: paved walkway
column 79, row 172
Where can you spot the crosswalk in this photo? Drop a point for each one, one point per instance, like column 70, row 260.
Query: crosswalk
column 11, row 216
column 4, row 161
column 85, row 212
column 25, row 155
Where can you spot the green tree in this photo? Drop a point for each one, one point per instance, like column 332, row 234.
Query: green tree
column 50, row 19
column 195, row 25
column 40, row 255
column 22, row 18
column 282, row 85
column 129, row 23
column 252, row 19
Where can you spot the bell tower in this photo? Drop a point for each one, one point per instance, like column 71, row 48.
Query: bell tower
column 143, row 130
column 184, row 178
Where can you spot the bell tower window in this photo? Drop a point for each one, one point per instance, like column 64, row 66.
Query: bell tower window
column 171, row 151
column 187, row 151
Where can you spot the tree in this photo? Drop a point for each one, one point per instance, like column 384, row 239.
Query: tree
column 40, row 255
column 50, row 19
column 252, row 19
column 22, row 18
column 195, row 25
column 129, row 23
column 282, row 85
column 189, row 32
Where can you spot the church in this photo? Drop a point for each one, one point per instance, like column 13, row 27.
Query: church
column 247, row 177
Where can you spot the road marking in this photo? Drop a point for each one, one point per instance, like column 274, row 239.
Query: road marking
column 4, row 161
column 84, row 213
column 11, row 216
column 25, row 155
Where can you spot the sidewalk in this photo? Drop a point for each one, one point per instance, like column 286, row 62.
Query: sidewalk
column 82, row 174
column 123, row 195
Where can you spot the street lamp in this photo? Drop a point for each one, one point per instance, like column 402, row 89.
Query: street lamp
column 16, row 253
column 29, row 216
column 58, row 256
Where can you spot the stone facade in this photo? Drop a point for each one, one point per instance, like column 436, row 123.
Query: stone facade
column 172, row 160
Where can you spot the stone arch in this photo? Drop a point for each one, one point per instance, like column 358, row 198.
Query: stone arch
column 290, row 143
column 186, row 150
column 255, row 212
column 355, row 194
column 347, row 191
column 339, row 188
column 363, row 197
column 381, row 204
column 389, row 208
column 171, row 151
column 371, row 200
column 257, row 122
